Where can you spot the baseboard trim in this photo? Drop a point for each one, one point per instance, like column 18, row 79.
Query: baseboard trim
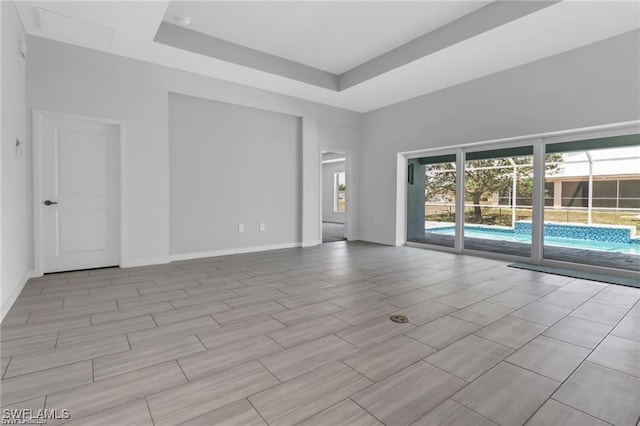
column 380, row 242
column 216, row 253
column 14, row 295
column 144, row 262
column 311, row 243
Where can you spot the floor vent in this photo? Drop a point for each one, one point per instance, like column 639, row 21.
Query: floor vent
column 399, row 318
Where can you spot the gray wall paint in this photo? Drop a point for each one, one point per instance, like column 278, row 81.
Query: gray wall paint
column 231, row 165
column 16, row 194
column 594, row 85
column 328, row 184
column 75, row 80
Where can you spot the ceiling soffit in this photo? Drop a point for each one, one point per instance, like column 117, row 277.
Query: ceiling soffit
column 493, row 15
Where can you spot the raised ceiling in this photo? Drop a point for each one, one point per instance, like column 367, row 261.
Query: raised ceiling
column 357, row 55
column 331, row 36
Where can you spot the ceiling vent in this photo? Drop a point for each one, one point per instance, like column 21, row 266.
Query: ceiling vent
column 72, row 30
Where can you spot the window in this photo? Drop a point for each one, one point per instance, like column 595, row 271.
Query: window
column 604, row 193
column 575, row 194
column 549, row 192
column 629, row 194
column 339, row 192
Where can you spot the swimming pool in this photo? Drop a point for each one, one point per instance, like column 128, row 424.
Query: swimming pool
column 612, row 239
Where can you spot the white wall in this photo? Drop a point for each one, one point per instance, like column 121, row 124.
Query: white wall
column 80, row 81
column 232, row 165
column 328, row 193
column 16, row 219
column 594, row 85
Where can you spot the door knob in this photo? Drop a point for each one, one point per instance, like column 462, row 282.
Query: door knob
column 49, row 202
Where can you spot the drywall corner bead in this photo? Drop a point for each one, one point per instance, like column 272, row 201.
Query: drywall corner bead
column 22, row 48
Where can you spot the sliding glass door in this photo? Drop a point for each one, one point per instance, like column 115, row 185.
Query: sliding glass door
column 594, row 217
column 498, row 200
column 582, row 206
column 431, row 200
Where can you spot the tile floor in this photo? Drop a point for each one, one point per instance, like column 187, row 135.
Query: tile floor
column 302, row 336
column 332, row 232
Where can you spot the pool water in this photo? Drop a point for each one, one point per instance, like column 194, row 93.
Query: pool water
column 502, row 234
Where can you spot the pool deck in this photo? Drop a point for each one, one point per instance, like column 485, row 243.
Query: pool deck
column 629, row 262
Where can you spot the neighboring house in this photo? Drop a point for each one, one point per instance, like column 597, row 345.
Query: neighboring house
column 613, row 191
column 616, row 179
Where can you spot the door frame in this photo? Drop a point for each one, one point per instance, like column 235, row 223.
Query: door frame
column 349, row 176
column 37, row 116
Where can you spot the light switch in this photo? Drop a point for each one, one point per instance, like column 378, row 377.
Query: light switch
column 19, row 149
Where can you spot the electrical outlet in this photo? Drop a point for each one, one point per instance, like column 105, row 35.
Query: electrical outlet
column 262, row 227
column 241, row 228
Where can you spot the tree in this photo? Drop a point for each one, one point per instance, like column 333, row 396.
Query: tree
column 485, row 177
column 441, row 182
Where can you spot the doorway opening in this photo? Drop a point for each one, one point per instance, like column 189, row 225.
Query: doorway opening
column 334, row 197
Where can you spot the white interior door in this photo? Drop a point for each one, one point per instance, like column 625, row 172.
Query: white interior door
column 80, row 194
